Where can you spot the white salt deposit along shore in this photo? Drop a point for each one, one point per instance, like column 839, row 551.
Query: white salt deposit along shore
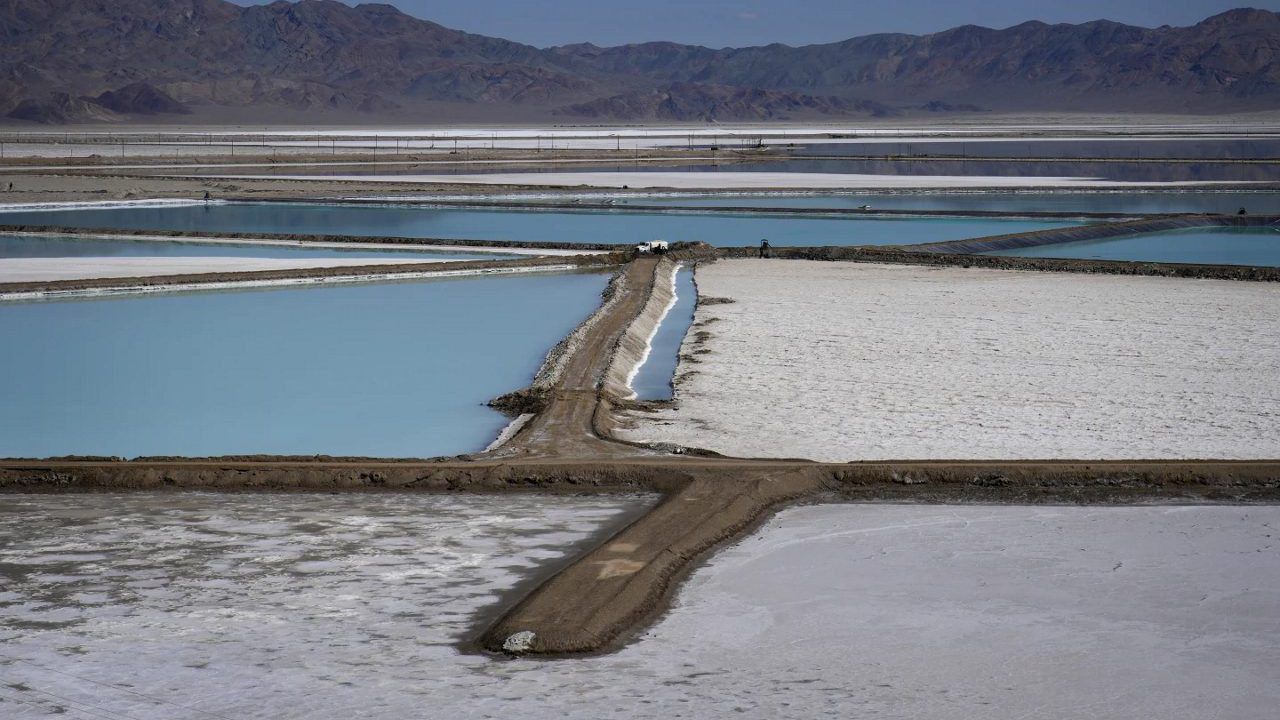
column 182, row 285
column 102, row 205
column 43, row 269
column 427, row 252
column 733, row 180
column 848, row 361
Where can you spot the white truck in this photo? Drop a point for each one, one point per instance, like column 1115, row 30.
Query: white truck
column 653, row 247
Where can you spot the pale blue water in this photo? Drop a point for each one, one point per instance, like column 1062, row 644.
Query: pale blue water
column 395, row 370
column 653, row 381
column 18, row 246
column 555, row 226
column 1215, row 246
column 1258, row 203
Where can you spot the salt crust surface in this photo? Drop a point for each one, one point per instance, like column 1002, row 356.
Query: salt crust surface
column 848, row 361
column 929, row 612
column 156, row 606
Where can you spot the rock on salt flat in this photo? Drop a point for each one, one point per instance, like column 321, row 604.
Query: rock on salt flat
column 848, row 361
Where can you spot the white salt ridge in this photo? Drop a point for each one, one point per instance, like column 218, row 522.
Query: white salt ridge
column 48, row 269
column 423, row 250
column 509, row 431
column 101, row 205
column 24, row 296
column 648, row 343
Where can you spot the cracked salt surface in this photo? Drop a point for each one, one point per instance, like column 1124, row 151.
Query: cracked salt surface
column 260, row 605
column 848, row 361
column 266, row 606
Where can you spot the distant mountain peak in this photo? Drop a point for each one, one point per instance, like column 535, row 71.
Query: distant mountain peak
column 298, row 60
column 1241, row 16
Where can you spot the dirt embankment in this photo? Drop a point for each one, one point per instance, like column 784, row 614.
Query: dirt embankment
column 566, row 426
column 534, row 398
column 604, row 597
column 274, row 474
column 628, row 580
column 607, row 595
column 941, row 481
column 904, row 256
column 373, row 269
column 299, row 238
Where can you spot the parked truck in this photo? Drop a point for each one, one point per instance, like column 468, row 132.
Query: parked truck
column 653, row 247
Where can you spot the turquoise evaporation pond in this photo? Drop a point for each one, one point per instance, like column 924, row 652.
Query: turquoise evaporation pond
column 555, row 226
column 654, row 378
column 1258, row 247
column 386, row 370
column 1258, row 203
column 26, row 246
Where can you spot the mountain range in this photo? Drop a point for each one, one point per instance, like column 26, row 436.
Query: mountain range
column 319, row 60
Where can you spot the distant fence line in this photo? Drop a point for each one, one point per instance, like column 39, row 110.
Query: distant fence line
column 372, row 141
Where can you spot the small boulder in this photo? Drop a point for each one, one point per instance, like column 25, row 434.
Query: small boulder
column 519, row 643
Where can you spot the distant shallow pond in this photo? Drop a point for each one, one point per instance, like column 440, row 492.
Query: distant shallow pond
column 551, row 226
column 393, row 369
column 1103, row 202
column 27, row 246
column 1214, row 246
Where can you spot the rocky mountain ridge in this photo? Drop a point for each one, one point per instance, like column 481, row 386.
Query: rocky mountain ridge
column 100, row 60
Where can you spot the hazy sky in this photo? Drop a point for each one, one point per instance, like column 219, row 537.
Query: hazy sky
column 718, row 23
